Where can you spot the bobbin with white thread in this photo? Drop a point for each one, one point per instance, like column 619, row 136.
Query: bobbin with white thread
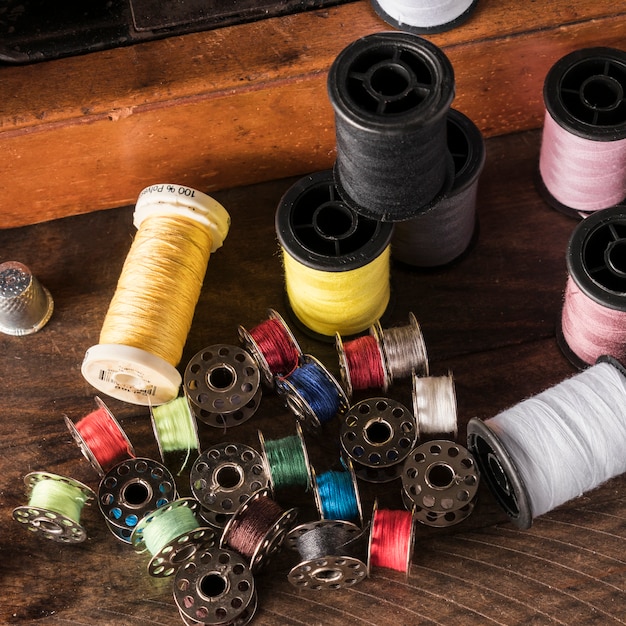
column 298, row 404
column 252, row 345
column 378, row 434
column 171, row 556
column 129, row 373
column 222, row 383
column 404, row 349
column 440, row 476
column 217, row 588
column 225, row 476
column 585, row 97
column 131, row 490
column 434, row 406
column 26, row 305
column 83, row 445
column 596, row 262
column 271, row 542
column 348, row 467
column 437, row 519
column 53, row 524
column 336, row 567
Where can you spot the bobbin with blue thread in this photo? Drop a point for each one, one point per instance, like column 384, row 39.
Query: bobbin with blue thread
column 217, row 588
column 437, row 519
column 273, row 536
column 171, row 555
column 378, row 434
column 225, row 476
column 131, row 490
column 260, row 353
column 329, row 554
column 52, row 524
column 222, row 383
column 440, row 476
column 313, row 410
column 348, row 500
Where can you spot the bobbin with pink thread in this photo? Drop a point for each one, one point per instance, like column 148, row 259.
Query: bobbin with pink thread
column 593, row 318
column 582, row 163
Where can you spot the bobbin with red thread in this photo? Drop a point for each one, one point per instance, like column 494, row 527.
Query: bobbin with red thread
column 440, row 476
column 217, row 588
column 225, row 476
column 273, row 347
column 132, row 489
column 593, row 318
column 222, row 383
column 261, row 519
column 330, row 560
column 110, row 447
column 378, row 434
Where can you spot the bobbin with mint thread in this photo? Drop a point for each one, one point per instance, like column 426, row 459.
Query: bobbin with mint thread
column 222, row 383
column 225, row 476
column 131, row 490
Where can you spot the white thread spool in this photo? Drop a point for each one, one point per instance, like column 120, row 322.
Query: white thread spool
column 434, row 405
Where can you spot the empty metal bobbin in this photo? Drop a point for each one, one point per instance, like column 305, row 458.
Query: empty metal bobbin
column 437, row 519
column 132, row 489
column 224, row 477
column 222, row 383
column 440, row 476
column 215, row 587
column 378, row 434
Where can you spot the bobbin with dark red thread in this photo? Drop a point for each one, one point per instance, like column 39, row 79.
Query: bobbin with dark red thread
column 585, row 94
column 226, row 475
column 440, row 476
column 596, row 262
column 391, row 92
column 378, row 434
column 131, row 490
column 120, row 448
column 222, row 383
column 217, row 588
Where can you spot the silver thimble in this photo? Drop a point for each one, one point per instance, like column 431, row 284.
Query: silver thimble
column 25, row 304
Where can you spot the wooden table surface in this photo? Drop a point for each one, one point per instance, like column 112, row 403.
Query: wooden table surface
column 489, row 319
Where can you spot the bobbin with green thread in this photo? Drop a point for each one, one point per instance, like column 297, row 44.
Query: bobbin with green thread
column 131, row 490
column 55, row 520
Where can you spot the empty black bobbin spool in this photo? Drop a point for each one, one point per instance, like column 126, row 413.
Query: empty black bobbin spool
column 391, row 93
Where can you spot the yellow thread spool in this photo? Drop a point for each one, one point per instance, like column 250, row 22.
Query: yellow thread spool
column 149, row 317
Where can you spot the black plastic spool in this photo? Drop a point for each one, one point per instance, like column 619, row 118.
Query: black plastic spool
column 596, row 262
column 391, row 92
column 585, row 93
column 467, row 147
column 424, row 30
column 320, row 231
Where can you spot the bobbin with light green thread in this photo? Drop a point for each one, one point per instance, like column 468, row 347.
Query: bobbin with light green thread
column 55, row 507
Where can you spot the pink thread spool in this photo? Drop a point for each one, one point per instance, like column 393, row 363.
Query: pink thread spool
column 582, row 164
column 593, row 319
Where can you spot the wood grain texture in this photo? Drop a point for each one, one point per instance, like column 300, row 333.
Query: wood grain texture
column 489, row 318
column 249, row 103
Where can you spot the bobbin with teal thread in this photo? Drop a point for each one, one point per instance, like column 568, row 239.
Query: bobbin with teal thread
column 54, row 507
column 337, row 494
column 312, row 393
column 222, row 383
column 172, row 536
column 224, row 477
column 131, row 490
column 329, row 553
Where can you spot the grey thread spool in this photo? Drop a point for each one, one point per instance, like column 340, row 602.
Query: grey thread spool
column 25, row 304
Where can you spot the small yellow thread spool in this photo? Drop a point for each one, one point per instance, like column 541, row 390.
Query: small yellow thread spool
column 149, row 317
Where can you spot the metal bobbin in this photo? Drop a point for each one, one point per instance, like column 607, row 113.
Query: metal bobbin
column 272, row 542
column 299, row 406
column 251, row 345
column 178, row 550
column 132, row 489
column 216, row 521
column 225, row 476
column 378, row 434
column 326, row 571
column 440, row 476
column 222, row 383
column 434, row 518
column 216, row 587
column 349, row 468
column 415, row 339
column 52, row 524
column 435, row 416
column 155, row 429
